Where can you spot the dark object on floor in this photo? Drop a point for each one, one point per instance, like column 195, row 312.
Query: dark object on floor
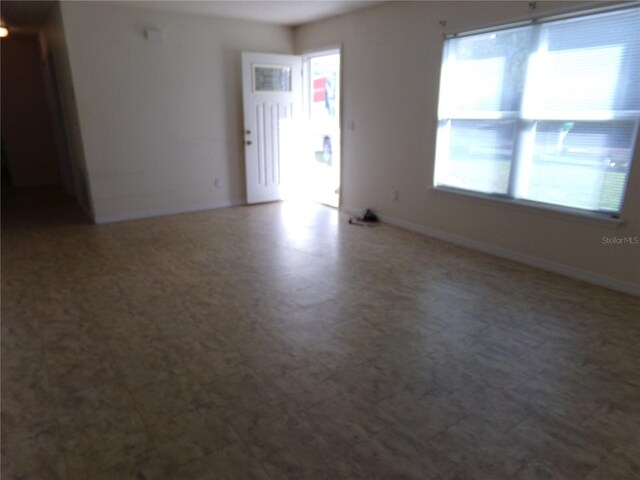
column 367, row 217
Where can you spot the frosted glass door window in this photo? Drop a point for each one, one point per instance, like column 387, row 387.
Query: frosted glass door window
column 271, row 78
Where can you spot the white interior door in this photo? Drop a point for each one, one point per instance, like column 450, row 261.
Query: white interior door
column 272, row 96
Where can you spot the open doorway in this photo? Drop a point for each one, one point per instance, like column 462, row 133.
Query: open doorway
column 292, row 126
column 321, row 79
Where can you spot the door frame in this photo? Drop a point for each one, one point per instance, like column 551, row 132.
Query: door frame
column 60, row 131
column 306, row 55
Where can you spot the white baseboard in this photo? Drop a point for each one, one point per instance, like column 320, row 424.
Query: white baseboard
column 559, row 268
column 170, row 211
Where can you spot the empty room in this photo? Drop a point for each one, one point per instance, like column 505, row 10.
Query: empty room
column 320, row 240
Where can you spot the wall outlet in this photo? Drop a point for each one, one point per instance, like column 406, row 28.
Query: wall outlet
column 394, row 195
column 153, row 34
column 217, row 183
column 351, row 125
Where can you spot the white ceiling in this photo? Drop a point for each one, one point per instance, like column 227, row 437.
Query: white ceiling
column 290, row 13
column 31, row 14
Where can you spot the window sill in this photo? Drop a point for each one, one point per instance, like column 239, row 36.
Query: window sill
column 540, row 208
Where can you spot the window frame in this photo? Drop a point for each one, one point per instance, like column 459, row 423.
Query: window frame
column 522, row 124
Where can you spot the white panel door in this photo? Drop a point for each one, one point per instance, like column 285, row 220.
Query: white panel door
column 272, row 96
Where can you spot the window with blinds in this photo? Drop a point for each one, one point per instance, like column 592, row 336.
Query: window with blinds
column 546, row 112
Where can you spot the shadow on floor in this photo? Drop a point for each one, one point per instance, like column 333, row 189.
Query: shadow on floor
column 49, row 206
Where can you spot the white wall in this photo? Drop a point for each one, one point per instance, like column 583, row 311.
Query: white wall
column 391, row 67
column 161, row 120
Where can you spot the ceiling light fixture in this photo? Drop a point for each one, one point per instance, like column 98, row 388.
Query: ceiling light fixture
column 4, row 32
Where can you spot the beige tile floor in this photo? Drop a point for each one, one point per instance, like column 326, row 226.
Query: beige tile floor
column 279, row 342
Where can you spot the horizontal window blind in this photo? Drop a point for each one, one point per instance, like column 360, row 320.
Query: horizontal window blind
column 546, row 112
